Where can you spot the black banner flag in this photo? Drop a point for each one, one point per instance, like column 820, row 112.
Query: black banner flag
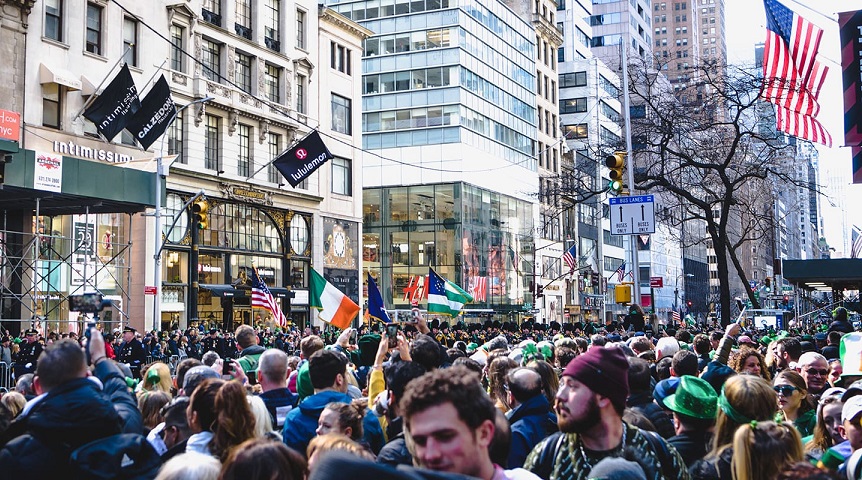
column 303, row 159
column 155, row 115
column 115, row 106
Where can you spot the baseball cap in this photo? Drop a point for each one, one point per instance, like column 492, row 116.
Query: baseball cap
column 852, row 408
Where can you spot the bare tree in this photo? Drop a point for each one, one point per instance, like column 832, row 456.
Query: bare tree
column 705, row 151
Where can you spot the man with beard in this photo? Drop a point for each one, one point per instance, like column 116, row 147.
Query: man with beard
column 589, row 406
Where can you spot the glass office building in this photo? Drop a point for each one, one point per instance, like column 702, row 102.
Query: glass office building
column 471, row 236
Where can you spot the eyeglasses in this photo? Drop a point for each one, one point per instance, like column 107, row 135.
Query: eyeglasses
column 785, row 390
column 814, row 371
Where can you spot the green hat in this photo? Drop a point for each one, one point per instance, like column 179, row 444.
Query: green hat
column 472, row 346
column 694, row 397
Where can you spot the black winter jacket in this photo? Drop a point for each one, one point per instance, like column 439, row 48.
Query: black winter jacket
column 37, row 445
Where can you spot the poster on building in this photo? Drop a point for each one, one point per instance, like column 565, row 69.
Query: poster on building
column 339, row 244
column 48, row 172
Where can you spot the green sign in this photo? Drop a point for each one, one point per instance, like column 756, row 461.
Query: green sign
column 528, row 306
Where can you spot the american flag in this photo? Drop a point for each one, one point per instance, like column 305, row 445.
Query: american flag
column 261, row 297
column 792, row 77
column 569, row 258
column 675, row 316
column 856, row 248
column 478, row 288
column 621, row 272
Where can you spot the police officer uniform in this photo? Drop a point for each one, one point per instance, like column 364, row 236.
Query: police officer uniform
column 132, row 353
column 214, row 343
column 25, row 362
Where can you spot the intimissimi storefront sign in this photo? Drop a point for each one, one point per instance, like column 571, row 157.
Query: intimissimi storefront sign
column 72, row 149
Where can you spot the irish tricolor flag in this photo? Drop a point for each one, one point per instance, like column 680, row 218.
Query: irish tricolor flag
column 335, row 307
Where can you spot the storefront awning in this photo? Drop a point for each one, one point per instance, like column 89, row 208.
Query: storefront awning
column 59, row 76
column 224, row 290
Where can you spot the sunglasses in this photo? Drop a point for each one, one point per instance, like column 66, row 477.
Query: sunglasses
column 814, row 371
column 785, row 390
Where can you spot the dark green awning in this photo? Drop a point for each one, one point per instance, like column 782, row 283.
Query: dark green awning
column 835, row 273
column 103, row 187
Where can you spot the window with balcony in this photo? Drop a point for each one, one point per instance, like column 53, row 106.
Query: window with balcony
column 242, row 25
column 272, row 24
column 211, row 11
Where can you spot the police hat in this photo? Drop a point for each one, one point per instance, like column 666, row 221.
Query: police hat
column 129, row 329
column 213, row 330
column 31, row 331
column 444, row 325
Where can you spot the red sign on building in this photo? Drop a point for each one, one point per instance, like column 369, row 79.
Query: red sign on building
column 656, row 282
column 10, row 125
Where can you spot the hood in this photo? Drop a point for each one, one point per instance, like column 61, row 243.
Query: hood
column 252, row 350
column 537, row 405
column 74, row 414
column 315, row 404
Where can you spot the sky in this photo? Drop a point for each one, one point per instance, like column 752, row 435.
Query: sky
column 746, row 26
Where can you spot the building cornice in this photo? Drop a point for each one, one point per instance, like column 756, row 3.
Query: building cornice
column 331, row 16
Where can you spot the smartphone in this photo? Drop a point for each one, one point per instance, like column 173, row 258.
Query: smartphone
column 225, row 366
column 86, row 303
column 90, row 326
column 392, row 334
column 354, row 337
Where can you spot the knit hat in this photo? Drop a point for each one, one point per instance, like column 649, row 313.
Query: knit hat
column 616, row 468
column 604, row 370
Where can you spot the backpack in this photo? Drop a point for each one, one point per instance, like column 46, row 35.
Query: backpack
column 250, row 365
column 545, row 463
column 125, row 456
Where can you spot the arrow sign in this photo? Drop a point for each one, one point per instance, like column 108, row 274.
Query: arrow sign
column 623, row 218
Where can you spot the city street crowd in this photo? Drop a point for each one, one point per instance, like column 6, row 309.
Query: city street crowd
column 429, row 400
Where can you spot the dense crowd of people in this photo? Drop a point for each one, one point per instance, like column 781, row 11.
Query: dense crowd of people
column 487, row 400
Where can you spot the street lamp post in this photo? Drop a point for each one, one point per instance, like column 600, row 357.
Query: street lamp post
column 676, row 287
column 157, row 256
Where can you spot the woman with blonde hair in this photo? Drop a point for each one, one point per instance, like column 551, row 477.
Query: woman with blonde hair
column 750, row 361
column 762, row 450
column 334, row 441
column 156, row 377
column 793, row 402
column 744, row 398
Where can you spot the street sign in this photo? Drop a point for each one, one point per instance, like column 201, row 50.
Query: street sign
column 149, row 290
column 632, row 215
column 656, row 282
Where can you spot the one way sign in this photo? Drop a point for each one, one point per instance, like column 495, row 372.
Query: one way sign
column 632, row 215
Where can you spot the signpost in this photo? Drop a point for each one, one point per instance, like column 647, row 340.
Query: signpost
column 632, row 215
column 656, row 282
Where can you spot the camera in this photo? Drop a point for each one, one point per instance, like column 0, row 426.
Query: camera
column 392, row 334
column 86, row 303
column 90, row 326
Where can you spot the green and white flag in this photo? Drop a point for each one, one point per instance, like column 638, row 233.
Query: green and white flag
column 444, row 297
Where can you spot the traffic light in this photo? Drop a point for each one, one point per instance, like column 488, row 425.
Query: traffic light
column 767, row 284
column 199, row 211
column 616, row 163
column 786, row 300
column 623, row 293
column 539, row 291
column 688, row 304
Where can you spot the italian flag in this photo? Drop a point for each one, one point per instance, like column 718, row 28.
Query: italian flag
column 335, row 307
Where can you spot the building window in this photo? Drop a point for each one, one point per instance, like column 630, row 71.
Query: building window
column 300, row 93
column 300, row 29
column 210, row 60
column 273, row 83
column 341, row 181
column 94, row 29
column 243, row 164
column 577, row 79
column 54, row 20
column 176, row 138
column 242, row 25
column 272, row 24
column 211, row 11
column 243, row 72
column 576, row 131
column 341, row 114
column 177, row 36
column 274, row 144
column 52, row 105
column 130, row 41
column 212, row 160
column 340, row 58
column 573, row 105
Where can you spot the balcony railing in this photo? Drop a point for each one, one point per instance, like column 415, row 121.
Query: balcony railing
column 211, row 17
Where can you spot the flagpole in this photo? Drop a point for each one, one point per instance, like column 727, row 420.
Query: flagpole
column 158, row 71
column 157, row 257
column 93, row 96
column 286, row 149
